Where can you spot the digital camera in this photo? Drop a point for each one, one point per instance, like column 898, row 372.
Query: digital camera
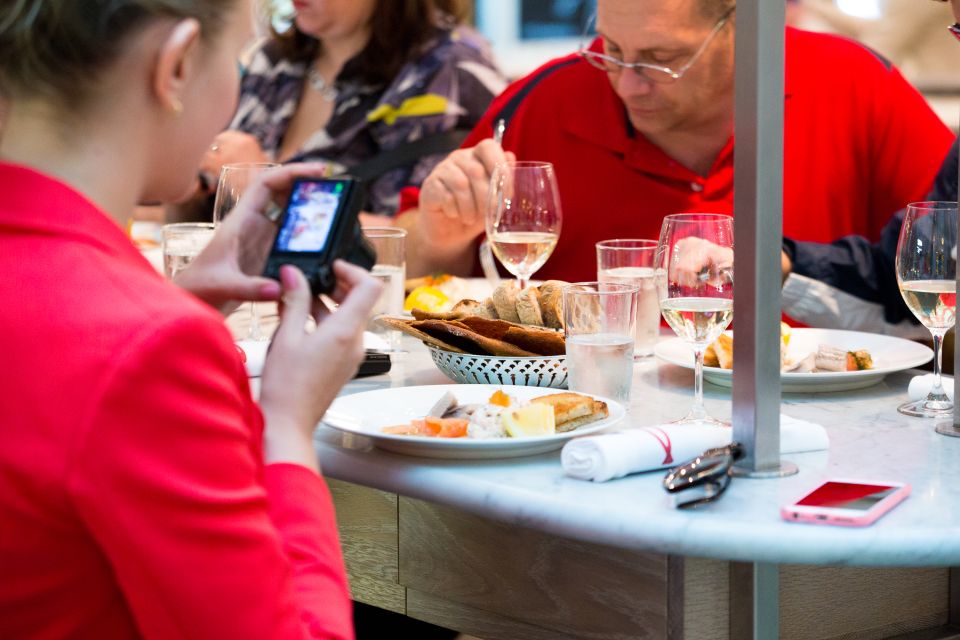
column 318, row 226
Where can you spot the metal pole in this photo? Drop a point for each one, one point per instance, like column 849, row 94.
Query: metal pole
column 944, row 426
column 754, row 600
column 758, row 228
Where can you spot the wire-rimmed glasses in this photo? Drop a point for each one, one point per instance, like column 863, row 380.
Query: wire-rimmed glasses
column 653, row 72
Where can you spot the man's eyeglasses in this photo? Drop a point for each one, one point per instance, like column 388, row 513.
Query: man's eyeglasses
column 653, row 72
column 703, row 479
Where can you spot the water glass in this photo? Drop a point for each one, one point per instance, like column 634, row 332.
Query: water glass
column 630, row 262
column 391, row 268
column 181, row 242
column 600, row 319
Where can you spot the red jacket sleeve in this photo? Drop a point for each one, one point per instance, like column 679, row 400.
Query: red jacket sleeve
column 168, row 478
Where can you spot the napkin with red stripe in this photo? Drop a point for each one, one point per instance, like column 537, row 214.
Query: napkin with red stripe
column 613, row 455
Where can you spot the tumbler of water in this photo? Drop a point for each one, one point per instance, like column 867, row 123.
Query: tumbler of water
column 182, row 242
column 391, row 270
column 600, row 319
column 630, row 261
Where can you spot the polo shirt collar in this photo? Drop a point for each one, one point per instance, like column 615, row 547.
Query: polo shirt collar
column 33, row 202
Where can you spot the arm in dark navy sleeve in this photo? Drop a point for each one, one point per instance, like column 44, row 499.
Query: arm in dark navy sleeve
column 854, row 266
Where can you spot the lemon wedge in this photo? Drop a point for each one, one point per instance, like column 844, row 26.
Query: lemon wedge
column 785, row 332
column 529, row 421
column 427, row 298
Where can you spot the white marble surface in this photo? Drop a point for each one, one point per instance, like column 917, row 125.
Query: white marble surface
column 869, row 440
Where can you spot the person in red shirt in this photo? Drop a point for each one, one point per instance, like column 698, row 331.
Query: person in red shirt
column 640, row 126
column 143, row 493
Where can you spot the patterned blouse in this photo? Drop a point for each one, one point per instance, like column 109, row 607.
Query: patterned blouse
column 448, row 87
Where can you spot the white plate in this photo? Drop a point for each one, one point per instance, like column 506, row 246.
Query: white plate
column 889, row 354
column 366, row 413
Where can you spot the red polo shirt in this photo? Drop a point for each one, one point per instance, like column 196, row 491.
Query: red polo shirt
column 134, row 501
column 859, row 144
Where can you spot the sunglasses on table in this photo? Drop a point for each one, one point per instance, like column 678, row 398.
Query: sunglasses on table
column 704, row 478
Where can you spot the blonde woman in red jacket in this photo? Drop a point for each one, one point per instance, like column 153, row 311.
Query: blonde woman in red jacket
column 142, row 492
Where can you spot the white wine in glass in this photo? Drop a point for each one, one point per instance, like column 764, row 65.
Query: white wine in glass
column 926, row 273
column 693, row 271
column 523, row 217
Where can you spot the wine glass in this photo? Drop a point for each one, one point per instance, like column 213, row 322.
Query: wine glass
column 926, row 274
column 233, row 182
column 524, row 217
column 694, row 278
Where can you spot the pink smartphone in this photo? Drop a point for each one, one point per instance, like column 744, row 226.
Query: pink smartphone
column 848, row 503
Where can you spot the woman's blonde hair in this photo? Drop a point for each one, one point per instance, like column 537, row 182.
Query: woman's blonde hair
column 57, row 48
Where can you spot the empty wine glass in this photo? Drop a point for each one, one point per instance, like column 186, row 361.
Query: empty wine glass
column 233, row 182
column 694, row 278
column 524, row 216
column 926, row 273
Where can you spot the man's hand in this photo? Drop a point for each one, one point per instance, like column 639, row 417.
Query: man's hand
column 453, row 199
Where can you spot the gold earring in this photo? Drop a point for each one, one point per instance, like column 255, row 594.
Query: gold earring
column 176, row 106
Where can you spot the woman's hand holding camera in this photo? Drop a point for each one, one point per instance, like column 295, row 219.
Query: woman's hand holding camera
column 229, row 269
column 305, row 370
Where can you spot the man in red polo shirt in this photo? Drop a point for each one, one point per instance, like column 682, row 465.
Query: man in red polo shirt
column 637, row 140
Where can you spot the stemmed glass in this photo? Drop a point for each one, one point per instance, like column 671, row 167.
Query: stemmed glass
column 233, row 182
column 524, row 216
column 694, row 278
column 926, row 273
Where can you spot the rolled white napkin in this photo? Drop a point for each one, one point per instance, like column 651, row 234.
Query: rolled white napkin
column 614, row 455
column 920, row 386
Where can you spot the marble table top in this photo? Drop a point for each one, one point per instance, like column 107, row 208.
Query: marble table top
column 868, row 440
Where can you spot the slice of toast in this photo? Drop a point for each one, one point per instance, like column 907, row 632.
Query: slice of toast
column 724, row 350
column 567, row 406
column 598, row 413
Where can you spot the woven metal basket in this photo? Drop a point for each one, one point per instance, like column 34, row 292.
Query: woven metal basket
column 540, row 371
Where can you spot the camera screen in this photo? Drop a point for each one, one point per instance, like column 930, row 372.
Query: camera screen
column 846, row 495
column 310, row 215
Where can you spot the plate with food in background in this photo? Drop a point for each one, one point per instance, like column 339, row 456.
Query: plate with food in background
column 471, row 421
column 813, row 360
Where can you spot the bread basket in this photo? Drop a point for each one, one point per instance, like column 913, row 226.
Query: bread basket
column 538, row 371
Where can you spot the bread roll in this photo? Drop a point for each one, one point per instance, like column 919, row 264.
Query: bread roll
column 528, row 307
column 505, row 301
column 551, row 303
